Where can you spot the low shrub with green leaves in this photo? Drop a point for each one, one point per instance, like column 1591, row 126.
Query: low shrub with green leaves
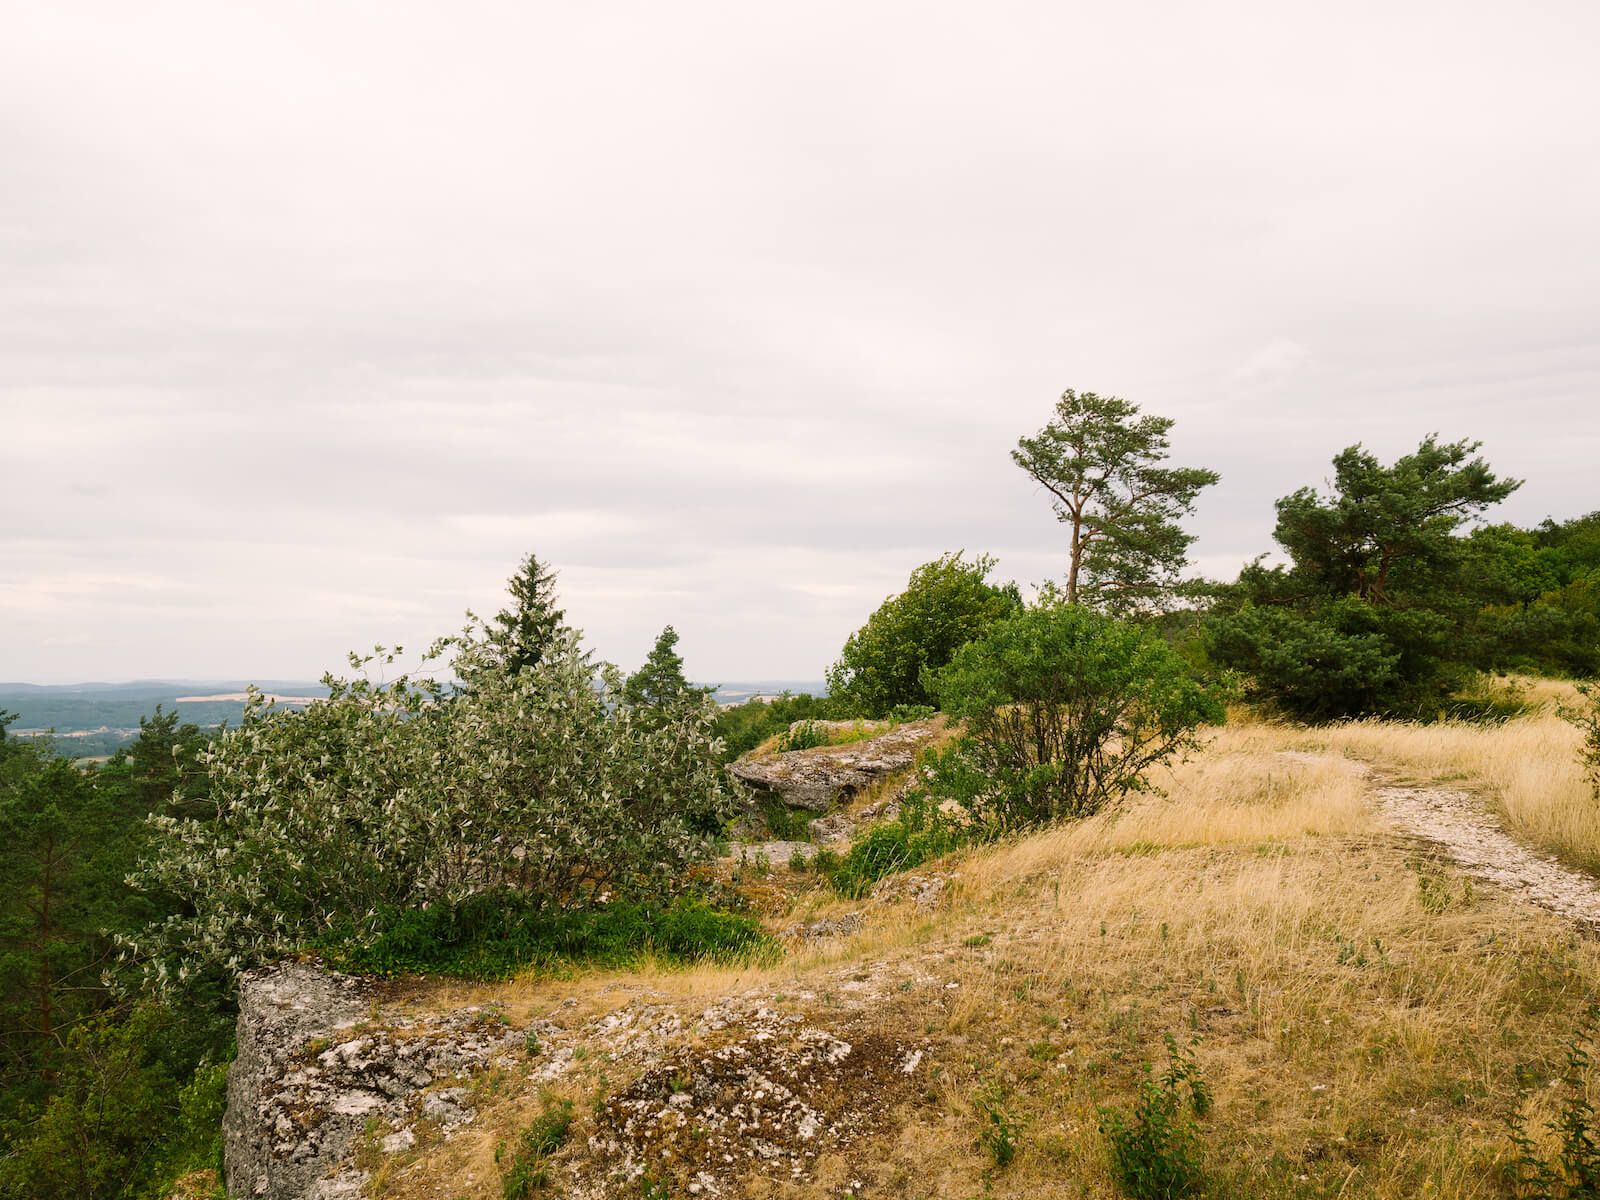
column 1155, row 1151
column 804, row 735
column 1572, row 1170
column 786, row 824
column 999, row 1132
column 810, row 734
column 919, row 834
column 1586, row 716
column 1067, row 710
column 494, row 936
column 409, row 795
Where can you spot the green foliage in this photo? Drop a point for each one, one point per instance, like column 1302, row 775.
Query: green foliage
column 1067, row 710
column 494, row 935
column 1388, row 530
column 66, row 845
column 784, row 823
column 919, row 834
column 803, row 735
column 100, row 1097
column 946, row 604
column 1102, row 464
column 999, row 1131
column 1337, row 660
column 1586, row 716
column 527, row 1173
column 1155, row 1153
column 743, row 727
column 129, row 1110
column 399, row 795
column 660, row 682
column 523, row 634
column 810, row 734
column 1380, row 609
column 1573, row 1171
column 71, row 837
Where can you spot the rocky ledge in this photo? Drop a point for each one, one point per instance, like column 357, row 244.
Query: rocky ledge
column 336, row 1075
column 317, row 1065
column 826, row 777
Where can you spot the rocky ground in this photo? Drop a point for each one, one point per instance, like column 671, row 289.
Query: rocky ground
column 342, row 1084
column 322, row 1059
column 335, row 1079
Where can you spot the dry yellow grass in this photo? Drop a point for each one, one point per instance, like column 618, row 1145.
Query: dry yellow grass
column 1363, row 1011
column 1528, row 768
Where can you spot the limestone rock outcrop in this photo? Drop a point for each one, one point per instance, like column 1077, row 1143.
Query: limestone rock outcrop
column 826, row 777
column 318, row 1061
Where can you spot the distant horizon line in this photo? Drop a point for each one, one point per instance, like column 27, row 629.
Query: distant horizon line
column 237, row 682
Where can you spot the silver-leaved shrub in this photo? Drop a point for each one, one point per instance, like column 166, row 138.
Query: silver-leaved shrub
column 408, row 793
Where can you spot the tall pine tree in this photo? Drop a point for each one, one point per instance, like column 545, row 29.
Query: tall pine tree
column 1104, row 467
column 525, row 631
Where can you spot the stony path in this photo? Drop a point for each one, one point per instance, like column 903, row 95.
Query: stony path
column 1473, row 837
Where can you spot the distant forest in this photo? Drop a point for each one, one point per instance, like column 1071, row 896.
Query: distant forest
column 95, row 720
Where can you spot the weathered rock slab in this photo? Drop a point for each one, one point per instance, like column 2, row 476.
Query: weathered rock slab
column 318, row 1060
column 822, row 778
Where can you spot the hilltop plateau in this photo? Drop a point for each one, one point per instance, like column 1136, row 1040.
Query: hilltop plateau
column 1365, row 1012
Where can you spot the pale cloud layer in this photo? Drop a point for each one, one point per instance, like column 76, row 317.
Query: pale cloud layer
column 315, row 318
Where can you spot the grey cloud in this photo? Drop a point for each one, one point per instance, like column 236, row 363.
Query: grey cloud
column 313, row 321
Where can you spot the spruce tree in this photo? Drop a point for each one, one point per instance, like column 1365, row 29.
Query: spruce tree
column 660, row 680
column 524, row 632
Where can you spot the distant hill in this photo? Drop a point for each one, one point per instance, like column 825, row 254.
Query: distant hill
column 739, row 692
column 88, row 720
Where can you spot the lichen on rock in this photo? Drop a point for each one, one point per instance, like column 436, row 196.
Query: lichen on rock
column 318, row 1064
column 825, row 778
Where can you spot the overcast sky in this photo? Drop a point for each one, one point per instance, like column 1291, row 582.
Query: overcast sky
column 314, row 318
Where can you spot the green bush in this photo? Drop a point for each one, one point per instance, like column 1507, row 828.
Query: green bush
column 405, row 796
column 1155, row 1153
column 786, row 824
column 803, row 736
column 743, row 727
column 946, row 604
column 1586, row 716
column 919, row 834
column 1573, row 1171
column 999, row 1131
column 808, row 735
column 1066, row 710
column 494, row 936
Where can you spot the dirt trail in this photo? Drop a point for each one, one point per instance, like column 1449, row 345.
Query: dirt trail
column 1473, row 837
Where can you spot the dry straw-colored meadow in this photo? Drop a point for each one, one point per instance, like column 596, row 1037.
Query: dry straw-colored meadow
column 1366, row 1016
